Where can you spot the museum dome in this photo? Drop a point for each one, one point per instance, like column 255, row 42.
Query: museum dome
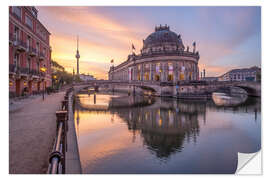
column 163, row 35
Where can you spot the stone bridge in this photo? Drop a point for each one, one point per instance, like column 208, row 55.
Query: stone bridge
column 182, row 89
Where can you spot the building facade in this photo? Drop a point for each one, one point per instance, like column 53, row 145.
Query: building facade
column 245, row 74
column 163, row 58
column 29, row 52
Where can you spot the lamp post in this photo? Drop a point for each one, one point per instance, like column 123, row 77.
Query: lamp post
column 54, row 78
column 43, row 69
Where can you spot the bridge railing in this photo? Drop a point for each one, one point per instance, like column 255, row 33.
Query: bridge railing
column 57, row 156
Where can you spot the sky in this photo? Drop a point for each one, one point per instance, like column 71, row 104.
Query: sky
column 226, row 37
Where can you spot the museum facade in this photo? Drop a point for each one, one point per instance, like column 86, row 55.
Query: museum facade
column 163, row 58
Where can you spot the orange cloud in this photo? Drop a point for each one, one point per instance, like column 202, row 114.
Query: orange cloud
column 101, row 39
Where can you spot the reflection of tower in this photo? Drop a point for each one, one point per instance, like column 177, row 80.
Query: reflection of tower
column 77, row 56
column 73, row 74
column 78, row 121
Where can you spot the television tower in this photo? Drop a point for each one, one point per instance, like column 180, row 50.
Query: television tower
column 78, row 56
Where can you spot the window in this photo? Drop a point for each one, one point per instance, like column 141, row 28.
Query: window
column 170, row 77
column 157, row 77
column 16, row 33
column 146, row 76
column 17, row 11
column 182, row 76
column 29, row 21
column 38, row 66
column 146, row 66
column 16, row 60
column 157, row 67
column 37, row 48
column 29, row 63
column 44, row 52
column 28, row 42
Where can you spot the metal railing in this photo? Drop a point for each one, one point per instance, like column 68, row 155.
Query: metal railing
column 24, row 70
column 20, row 43
column 57, row 156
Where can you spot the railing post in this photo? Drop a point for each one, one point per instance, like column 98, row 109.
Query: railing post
column 62, row 118
column 65, row 105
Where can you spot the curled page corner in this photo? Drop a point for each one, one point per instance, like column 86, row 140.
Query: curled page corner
column 249, row 163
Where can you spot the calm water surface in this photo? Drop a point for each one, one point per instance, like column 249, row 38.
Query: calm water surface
column 122, row 134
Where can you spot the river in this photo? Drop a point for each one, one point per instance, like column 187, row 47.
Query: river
column 118, row 133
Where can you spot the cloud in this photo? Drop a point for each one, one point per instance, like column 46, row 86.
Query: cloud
column 107, row 32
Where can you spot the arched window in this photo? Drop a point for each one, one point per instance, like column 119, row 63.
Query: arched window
column 170, row 77
column 157, row 77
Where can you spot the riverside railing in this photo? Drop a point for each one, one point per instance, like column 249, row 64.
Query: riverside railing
column 57, row 156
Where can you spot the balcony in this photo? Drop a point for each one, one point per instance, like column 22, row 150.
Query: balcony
column 32, row 52
column 41, row 56
column 21, row 46
column 24, row 71
column 36, row 74
column 13, row 69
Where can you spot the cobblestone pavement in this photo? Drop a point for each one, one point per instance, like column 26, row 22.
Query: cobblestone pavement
column 32, row 129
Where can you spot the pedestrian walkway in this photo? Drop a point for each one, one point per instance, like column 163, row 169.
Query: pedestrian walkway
column 32, row 129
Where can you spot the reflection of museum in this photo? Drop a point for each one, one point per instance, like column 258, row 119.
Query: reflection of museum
column 164, row 128
column 162, row 58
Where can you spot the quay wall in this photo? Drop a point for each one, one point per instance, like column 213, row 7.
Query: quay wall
column 73, row 163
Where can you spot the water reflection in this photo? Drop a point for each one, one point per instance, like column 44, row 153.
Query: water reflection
column 162, row 127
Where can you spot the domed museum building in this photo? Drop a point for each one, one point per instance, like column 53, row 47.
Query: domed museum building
column 163, row 58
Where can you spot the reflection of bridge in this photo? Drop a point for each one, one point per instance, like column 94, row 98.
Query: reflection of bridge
column 172, row 89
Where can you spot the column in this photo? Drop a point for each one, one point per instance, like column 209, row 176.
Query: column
column 142, row 71
column 175, row 70
column 150, row 72
column 163, row 72
column 166, row 72
column 134, row 73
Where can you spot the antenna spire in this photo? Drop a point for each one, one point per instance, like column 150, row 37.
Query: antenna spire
column 77, row 42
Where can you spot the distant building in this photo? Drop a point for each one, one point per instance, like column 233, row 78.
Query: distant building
column 88, row 77
column 245, row 74
column 29, row 52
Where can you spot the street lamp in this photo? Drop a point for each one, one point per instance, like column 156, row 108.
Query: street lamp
column 43, row 69
column 54, row 79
